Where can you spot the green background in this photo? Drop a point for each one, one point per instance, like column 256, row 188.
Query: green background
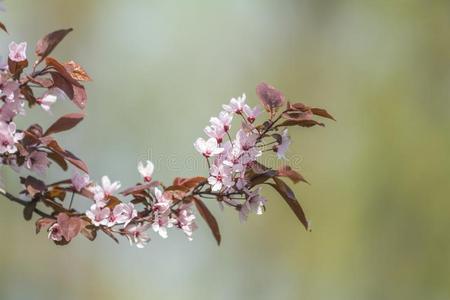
column 379, row 198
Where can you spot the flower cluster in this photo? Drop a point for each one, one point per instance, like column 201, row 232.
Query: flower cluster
column 235, row 177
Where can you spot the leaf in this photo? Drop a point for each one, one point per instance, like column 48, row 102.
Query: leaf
column 46, row 45
column 209, row 218
column 269, row 96
column 288, row 195
column 59, row 159
column 33, row 185
column 60, row 82
column 76, row 71
column 302, row 123
column 56, row 192
column 287, row 171
column 16, row 67
column 137, row 189
column 322, row 113
column 80, row 96
column 189, row 182
column 69, row 156
column 27, row 92
column 50, row 61
column 3, row 27
column 29, row 209
column 108, row 233
column 65, row 123
column 88, row 230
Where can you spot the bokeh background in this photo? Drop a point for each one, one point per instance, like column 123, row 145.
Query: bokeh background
column 379, row 198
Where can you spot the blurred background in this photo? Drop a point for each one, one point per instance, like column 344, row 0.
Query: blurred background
column 379, row 198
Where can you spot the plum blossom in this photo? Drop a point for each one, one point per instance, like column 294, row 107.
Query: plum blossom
column 146, row 171
column 254, row 203
column 222, row 122
column 124, row 213
column 236, row 105
column 283, row 146
column 17, row 52
column 11, row 91
column 8, row 137
column 11, row 109
column 102, row 193
column 215, row 132
column 207, row 148
column 98, row 215
column 80, row 181
column 186, row 220
column 46, row 102
column 55, row 232
column 219, row 176
column 137, row 234
column 37, row 162
column 251, row 113
column 161, row 214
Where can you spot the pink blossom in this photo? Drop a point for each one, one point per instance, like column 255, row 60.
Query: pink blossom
column 37, row 162
column 283, row 146
column 251, row 113
column 161, row 214
column 215, row 132
column 207, row 148
column 9, row 137
column 11, row 91
column 46, row 102
column 186, row 220
column 98, row 215
column 55, row 232
column 223, row 122
column 137, row 234
column 254, row 203
column 235, row 105
column 17, row 52
column 11, row 109
column 124, row 213
column 102, row 193
column 219, row 177
column 146, row 171
column 80, row 181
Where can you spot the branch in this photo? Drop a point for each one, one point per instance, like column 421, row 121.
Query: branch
column 23, row 203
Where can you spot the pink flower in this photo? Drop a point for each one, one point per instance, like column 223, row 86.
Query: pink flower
column 55, row 232
column 9, row 137
column 186, row 221
column 146, row 171
column 235, row 105
column 215, row 132
column 80, row 181
column 17, row 52
column 162, row 204
column 37, row 162
column 124, row 213
column 98, row 215
column 161, row 214
column 11, row 109
column 219, row 176
column 207, row 148
column 46, row 101
column 223, row 122
column 137, row 234
column 250, row 113
column 11, row 91
column 254, row 203
column 283, row 146
column 101, row 193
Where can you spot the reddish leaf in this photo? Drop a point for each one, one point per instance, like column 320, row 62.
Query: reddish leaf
column 80, row 96
column 3, row 27
column 322, row 113
column 137, row 189
column 76, row 71
column 50, row 61
column 302, row 123
column 288, row 195
column 189, row 182
column 286, row 171
column 69, row 156
column 16, row 67
column 33, row 185
column 88, row 230
column 209, row 218
column 60, row 82
column 46, row 45
column 29, row 209
column 64, row 123
column 59, row 159
column 270, row 97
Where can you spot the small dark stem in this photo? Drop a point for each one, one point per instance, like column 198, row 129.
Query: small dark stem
column 23, row 203
column 71, row 200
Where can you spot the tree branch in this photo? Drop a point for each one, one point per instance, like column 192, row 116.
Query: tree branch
column 23, row 203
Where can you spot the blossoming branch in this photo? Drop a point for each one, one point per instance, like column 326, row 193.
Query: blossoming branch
column 235, row 177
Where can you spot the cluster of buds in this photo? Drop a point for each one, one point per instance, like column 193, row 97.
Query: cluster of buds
column 233, row 156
